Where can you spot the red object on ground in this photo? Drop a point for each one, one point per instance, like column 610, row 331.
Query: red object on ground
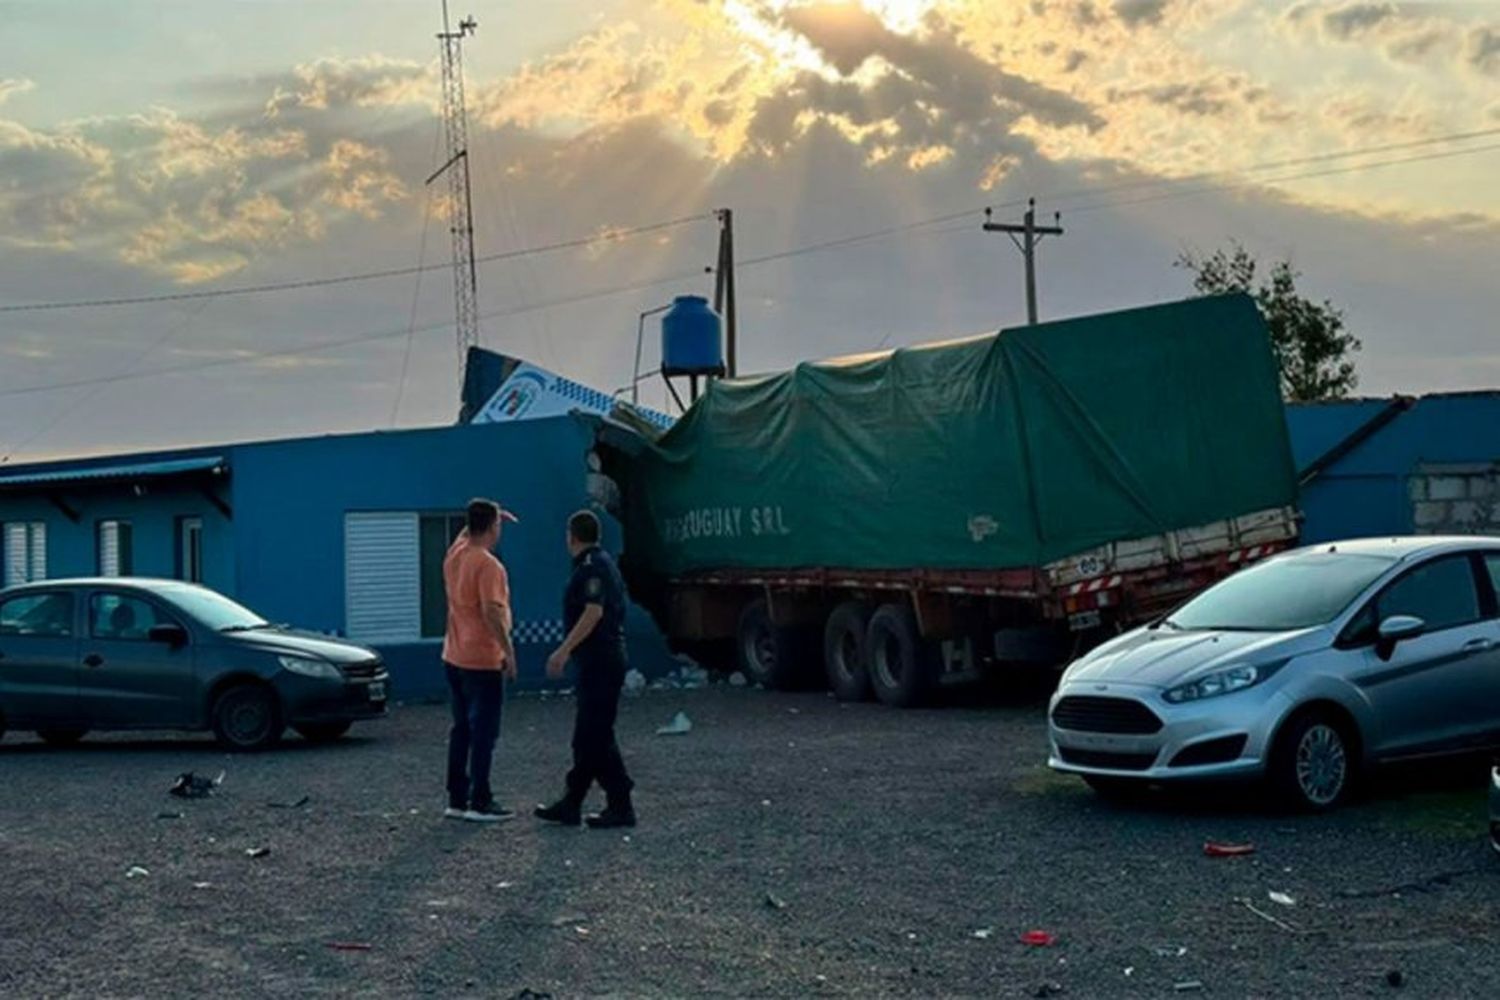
column 350, row 946
column 1216, row 850
column 1039, row 939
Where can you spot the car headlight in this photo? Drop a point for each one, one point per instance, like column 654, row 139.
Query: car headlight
column 308, row 667
column 1225, row 681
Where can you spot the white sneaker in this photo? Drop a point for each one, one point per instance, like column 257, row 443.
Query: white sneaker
column 454, row 813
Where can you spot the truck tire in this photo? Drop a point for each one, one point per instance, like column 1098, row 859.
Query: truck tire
column 844, row 651
column 902, row 666
column 773, row 657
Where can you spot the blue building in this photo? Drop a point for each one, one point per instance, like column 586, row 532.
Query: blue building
column 1426, row 465
column 340, row 534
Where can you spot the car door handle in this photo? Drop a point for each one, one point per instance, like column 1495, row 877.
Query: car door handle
column 93, row 660
column 1478, row 645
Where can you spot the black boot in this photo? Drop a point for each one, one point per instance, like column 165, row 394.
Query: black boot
column 618, row 813
column 566, row 810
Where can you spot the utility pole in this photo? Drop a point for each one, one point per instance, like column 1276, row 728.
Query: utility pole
column 724, row 291
column 460, row 208
column 1031, row 235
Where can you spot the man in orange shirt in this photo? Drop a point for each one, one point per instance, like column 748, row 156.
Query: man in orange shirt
column 478, row 657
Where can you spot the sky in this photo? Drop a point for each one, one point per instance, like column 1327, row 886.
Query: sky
column 174, row 147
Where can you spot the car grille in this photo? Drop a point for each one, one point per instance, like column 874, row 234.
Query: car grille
column 362, row 670
column 1107, row 759
column 1090, row 714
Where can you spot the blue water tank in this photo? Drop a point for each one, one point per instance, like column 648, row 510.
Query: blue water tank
column 692, row 338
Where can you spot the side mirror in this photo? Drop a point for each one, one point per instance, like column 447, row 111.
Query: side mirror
column 171, row 635
column 1396, row 629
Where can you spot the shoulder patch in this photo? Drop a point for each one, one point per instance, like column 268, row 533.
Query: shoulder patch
column 595, row 586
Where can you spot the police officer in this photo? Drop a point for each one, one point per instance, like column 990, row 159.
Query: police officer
column 594, row 615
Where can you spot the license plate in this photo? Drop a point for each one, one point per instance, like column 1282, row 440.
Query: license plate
column 1084, row 620
column 377, row 691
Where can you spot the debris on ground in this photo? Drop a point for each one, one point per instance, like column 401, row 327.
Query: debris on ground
column 775, row 902
column 192, row 786
column 1129, row 971
column 984, row 933
column 1394, row 979
column 1188, row 986
column 635, row 681
column 680, row 725
column 1051, row 988
column 168, row 815
column 1171, row 951
column 738, row 680
column 1430, row 884
column 1039, row 939
column 530, row 994
column 203, row 885
column 350, row 946
column 1282, row 898
column 291, row 805
column 257, row 852
column 569, row 920
column 1270, row 918
column 1218, row 849
column 136, row 871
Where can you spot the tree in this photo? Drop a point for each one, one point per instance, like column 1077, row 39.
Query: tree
column 1313, row 350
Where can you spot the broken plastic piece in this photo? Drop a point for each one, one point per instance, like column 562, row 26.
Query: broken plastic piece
column 1039, row 939
column 984, row 933
column 136, row 871
column 257, row 852
column 775, row 902
column 1189, row 986
column 680, row 725
column 1215, row 849
column 191, row 786
column 1282, row 898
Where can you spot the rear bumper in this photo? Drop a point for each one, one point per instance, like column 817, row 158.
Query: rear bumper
column 306, row 700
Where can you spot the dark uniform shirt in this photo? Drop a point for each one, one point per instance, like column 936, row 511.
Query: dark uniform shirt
column 596, row 580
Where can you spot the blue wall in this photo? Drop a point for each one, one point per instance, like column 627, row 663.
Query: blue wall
column 283, row 552
column 1368, row 491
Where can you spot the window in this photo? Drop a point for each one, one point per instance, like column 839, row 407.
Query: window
column 1492, row 563
column 437, row 533
column 116, row 616
column 1293, row 591
column 190, row 549
column 382, row 576
column 48, row 615
column 25, row 545
column 116, row 551
column 1441, row 593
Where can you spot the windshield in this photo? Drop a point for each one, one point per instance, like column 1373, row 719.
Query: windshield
column 1291, row 592
column 213, row 610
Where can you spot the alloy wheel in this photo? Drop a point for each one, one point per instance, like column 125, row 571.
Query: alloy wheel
column 1322, row 764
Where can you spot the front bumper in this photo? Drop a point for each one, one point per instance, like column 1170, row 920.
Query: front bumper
column 1214, row 739
column 309, row 700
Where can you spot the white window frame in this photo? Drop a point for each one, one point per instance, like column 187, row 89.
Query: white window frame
column 383, row 576
column 25, row 552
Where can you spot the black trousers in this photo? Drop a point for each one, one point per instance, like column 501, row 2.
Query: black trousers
column 596, row 755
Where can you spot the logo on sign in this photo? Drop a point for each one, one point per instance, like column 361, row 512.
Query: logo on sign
column 982, row 526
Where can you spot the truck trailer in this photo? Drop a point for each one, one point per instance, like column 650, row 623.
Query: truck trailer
column 914, row 518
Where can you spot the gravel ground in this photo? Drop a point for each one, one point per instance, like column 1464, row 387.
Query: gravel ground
column 789, row 846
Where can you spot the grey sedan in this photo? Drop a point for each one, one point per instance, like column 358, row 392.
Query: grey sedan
column 78, row 655
column 1303, row 670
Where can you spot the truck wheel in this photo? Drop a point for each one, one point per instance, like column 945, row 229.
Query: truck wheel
column 844, row 651
column 901, row 664
column 771, row 656
column 247, row 717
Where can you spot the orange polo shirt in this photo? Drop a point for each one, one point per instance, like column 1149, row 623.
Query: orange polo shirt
column 473, row 577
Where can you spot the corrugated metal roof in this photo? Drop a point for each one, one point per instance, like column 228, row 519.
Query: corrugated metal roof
column 104, row 473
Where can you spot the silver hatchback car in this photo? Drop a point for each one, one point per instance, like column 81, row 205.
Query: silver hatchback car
column 1302, row 670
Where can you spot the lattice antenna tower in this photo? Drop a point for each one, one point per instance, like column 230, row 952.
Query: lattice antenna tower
column 456, row 168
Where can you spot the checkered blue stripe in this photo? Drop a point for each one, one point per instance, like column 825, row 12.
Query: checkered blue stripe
column 537, row 631
column 599, row 402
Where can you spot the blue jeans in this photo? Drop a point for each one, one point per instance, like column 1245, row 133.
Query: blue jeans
column 477, row 697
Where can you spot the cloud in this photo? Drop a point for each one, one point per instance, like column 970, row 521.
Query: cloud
column 367, row 82
column 1482, row 50
column 12, row 86
column 1436, row 35
column 1136, row 12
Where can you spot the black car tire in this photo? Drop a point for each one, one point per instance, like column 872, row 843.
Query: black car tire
column 62, row 737
column 770, row 655
column 1314, row 764
column 844, row 651
column 323, row 732
column 247, row 717
column 902, row 665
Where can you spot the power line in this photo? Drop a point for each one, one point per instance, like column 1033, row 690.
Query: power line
column 607, row 236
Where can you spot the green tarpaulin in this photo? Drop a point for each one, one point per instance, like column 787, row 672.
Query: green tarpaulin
column 1002, row 451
